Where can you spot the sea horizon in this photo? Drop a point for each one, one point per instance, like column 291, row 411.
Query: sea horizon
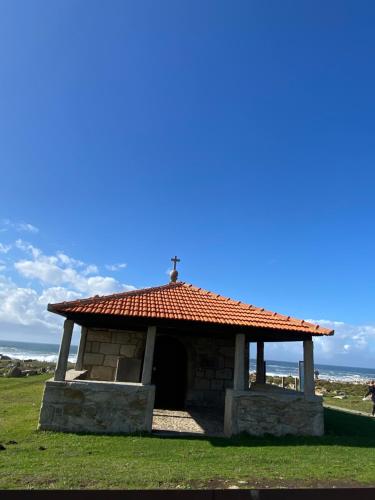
column 43, row 351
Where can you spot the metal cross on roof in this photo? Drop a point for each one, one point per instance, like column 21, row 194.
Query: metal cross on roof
column 175, row 260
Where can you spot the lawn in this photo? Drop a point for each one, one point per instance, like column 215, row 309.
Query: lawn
column 350, row 403
column 352, row 392
column 345, row 456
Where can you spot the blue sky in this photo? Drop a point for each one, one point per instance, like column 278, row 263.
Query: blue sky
column 237, row 135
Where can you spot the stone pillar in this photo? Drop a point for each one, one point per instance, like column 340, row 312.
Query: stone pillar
column 261, row 372
column 308, row 367
column 247, row 365
column 239, row 363
column 149, row 355
column 62, row 360
column 81, row 349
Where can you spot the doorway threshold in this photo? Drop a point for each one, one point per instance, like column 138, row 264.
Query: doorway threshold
column 189, row 422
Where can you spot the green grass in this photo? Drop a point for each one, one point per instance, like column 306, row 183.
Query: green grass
column 353, row 393
column 344, row 456
column 351, row 403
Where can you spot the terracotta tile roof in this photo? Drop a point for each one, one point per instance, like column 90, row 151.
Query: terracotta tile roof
column 181, row 301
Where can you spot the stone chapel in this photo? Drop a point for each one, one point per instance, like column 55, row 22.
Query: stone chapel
column 176, row 346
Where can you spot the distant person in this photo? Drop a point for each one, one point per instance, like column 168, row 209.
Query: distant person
column 371, row 390
column 316, row 372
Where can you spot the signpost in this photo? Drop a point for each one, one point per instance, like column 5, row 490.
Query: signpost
column 301, row 376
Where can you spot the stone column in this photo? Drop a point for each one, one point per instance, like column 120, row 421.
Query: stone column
column 149, row 355
column 247, row 365
column 239, row 363
column 308, row 367
column 81, row 349
column 62, row 360
column 261, row 373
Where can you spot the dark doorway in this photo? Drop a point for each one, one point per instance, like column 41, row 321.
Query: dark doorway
column 169, row 373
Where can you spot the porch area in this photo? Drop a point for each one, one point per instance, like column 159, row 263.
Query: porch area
column 73, row 402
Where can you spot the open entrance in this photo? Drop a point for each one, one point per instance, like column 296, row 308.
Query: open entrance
column 169, row 373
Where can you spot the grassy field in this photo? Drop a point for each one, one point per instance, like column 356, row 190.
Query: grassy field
column 353, row 393
column 350, row 403
column 345, row 456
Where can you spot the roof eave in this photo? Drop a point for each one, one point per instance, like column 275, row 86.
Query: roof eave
column 51, row 308
column 323, row 333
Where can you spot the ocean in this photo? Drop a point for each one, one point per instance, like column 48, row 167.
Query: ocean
column 33, row 350
column 49, row 352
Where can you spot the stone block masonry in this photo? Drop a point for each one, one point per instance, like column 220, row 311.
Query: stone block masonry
column 104, row 347
column 210, row 369
column 279, row 414
column 97, row 407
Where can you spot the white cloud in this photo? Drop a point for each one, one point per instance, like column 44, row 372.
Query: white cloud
column 23, row 309
column 4, row 248
column 351, row 345
column 115, row 267
column 29, row 228
column 58, row 294
column 62, row 270
column 23, row 312
column 26, row 247
column 90, row 269
column 19, row 226
column 21, row 305
column 69, row 261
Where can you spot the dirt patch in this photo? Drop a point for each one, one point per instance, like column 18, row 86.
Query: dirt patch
column 220, row 484
column 36, row 482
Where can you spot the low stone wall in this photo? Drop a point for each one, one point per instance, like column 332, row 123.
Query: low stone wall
column 98, row 407
column 104, row 347
column 277, row 413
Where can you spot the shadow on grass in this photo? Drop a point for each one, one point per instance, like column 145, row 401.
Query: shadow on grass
column 341, row 429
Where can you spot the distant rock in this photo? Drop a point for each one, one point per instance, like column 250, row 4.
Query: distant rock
column 5, row 358
column 15, row 371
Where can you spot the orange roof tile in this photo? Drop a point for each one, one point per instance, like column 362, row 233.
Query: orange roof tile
column 181, row 301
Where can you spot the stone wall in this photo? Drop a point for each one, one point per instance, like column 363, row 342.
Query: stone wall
column 98, row 407
column 210, row 361
column 277, row 413
column 104, row 347
column 210, row 369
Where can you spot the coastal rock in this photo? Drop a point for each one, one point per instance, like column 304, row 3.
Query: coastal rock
column 15, row 372
column 5, row 358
